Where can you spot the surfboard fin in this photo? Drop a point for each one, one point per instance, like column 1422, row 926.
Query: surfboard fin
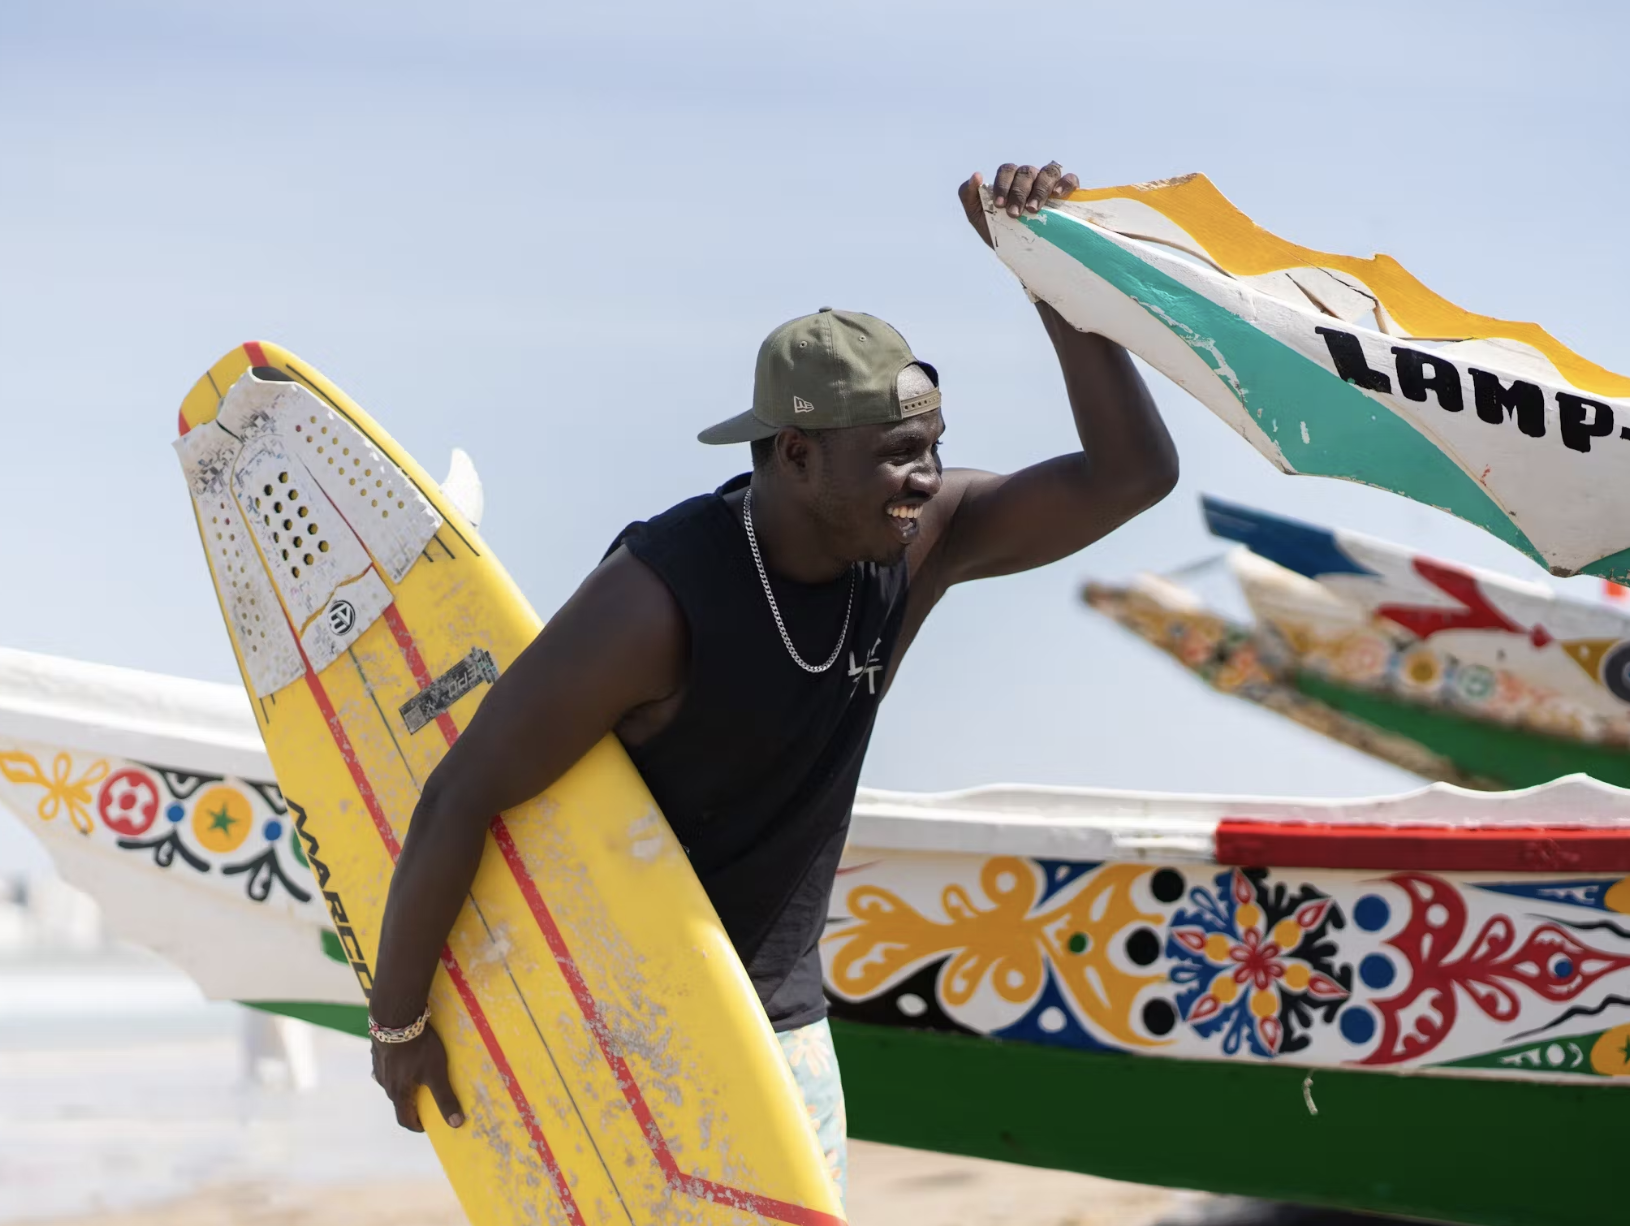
column 462, row 487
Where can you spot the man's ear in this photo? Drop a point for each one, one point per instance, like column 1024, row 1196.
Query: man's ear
column 794, row 449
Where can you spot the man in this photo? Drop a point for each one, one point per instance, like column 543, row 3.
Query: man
column 739, row 643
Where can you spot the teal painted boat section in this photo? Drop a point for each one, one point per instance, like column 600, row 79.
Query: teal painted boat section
column 1616, row 566
column 1351, row 437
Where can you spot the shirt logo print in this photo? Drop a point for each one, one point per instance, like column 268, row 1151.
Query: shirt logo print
column 869, row 670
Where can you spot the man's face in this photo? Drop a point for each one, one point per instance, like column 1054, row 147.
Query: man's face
column 867, row 485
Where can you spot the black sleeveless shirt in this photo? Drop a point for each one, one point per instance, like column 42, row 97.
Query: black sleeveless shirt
column 757, row 770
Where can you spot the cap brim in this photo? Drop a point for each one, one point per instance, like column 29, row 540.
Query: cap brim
column 742, row 428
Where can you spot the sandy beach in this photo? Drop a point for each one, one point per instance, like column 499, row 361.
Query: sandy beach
column 889, row 1185
column 127, row 1100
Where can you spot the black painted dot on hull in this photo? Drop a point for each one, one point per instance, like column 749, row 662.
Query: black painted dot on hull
column 1143, row 946
column 1159, row 1017
column 1167, row 885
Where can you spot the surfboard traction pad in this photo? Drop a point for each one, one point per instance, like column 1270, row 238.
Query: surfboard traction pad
column 1347, row 367
column 609, row 1052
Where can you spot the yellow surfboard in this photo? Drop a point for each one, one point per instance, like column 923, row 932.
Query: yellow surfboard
column 612, row 1059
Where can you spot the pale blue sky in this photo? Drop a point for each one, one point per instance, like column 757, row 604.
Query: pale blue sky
column 556, row 238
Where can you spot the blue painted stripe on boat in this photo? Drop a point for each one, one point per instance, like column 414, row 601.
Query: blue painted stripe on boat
column 1574, row 891
column 1304, row 548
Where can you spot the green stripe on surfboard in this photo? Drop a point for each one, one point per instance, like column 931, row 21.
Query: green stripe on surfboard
column 1357, row 438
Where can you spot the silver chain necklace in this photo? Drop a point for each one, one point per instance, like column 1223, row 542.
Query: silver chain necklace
column 758, row 561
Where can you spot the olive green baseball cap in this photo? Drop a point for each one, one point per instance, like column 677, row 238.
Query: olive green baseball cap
column 825, row 371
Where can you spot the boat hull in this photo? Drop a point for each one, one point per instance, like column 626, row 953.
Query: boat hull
column 976, row 897
column 1496, row 1153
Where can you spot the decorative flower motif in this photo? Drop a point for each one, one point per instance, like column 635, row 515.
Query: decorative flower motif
column 1240, row 967
column 1474, row 684
column 1195, row 640
column 1008, row 942
column 1555, row 716
column 1362, row 657
column 1488, row 973
column 1420, row 671
column 63, row 792
column 1241, row 667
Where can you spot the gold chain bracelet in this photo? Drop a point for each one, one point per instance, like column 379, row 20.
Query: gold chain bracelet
column 398, row 1034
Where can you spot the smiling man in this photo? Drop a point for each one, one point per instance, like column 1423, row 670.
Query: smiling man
column 739, row 644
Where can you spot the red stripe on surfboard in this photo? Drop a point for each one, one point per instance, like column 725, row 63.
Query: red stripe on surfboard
column 342, row 741
column 557, row 1177
column 1521, row 849
column 478, row 1016
column 764, row 1206
column 705, row 1189
column 416, row 665
column 257, row 355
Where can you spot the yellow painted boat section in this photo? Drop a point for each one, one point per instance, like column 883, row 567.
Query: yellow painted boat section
column 1240, row 247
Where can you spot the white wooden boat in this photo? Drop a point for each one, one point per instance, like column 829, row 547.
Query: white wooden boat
column 1105, row 981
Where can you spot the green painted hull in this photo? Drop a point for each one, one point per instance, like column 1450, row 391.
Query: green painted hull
column 1420, row 1146
column 347, row 1019
column 1514, row 758
column 1493, row 1153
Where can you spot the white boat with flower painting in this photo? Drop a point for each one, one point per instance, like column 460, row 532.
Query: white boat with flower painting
column 1071, row 978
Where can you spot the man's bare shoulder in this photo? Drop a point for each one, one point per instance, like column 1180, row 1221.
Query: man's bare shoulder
column 623, row 602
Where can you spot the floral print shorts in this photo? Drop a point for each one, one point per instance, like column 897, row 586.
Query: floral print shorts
column 814, row 1064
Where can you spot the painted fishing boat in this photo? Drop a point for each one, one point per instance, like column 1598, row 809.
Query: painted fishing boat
column 1451, row 672
column 1101, row 981
column 1344, row 367
column 154, row 795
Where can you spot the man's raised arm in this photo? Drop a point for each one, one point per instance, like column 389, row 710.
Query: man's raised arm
column 995, row 524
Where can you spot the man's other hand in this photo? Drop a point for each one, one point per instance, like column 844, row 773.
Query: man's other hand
column 401, row 1068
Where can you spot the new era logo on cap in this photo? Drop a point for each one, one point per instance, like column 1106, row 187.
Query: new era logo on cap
column 800, row 405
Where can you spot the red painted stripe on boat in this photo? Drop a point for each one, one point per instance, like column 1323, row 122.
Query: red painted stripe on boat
column 257, row 355
column 1506, row 849
column 495, row 1051
column 765, row 1206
